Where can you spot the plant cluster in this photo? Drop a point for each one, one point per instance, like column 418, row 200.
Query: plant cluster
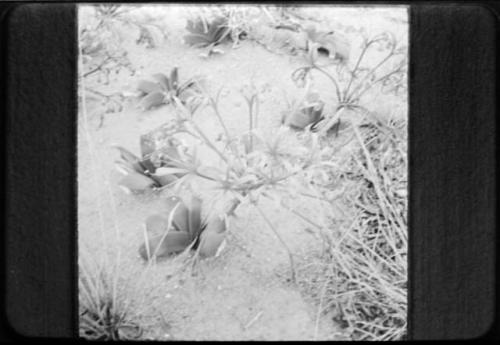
column 181, row 227
column 304, row 112
column 163, row 161
column 361, row 279
column 362, row 274
column 102, row 49
column 221, row 25
column 102, row 315
column 259, row 163
column 164, row 88
column 352, row 84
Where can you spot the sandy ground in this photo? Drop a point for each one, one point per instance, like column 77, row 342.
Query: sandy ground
column 243, row 294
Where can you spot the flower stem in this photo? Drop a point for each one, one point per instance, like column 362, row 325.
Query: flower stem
column 271, row 226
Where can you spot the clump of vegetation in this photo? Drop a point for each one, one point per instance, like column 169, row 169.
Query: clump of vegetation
column 102, row 315
column 221, row 25
column 360, row 280
column 181, row 227
column 205, row 32
column 304, row 112
column 104, row 58
column 163, row 89
column 352, row 84
column 260, row 163
column 359, row 277
column 155, row 168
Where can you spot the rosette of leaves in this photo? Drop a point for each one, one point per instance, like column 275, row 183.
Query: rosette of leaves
column 141, row 174
column 163, row 89
column 207, row 33
column 181, row 226
column 330, row 43
column 305, row 112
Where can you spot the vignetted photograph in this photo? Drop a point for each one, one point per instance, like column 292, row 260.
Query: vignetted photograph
column 242, row 172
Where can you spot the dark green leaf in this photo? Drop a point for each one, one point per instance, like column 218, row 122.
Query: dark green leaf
column 126, row 155
column 130, row 160
column 147, row 87
column 147, row 145
column 212, row 237
column 153, row 100
column 200, row 36
column 174, row 242
column 163, row 80
column 197, row 40
column 164, row 180
column 195, row 217
column 156, row 224
column 174, row 78
column 180, row 218
column 136, row 182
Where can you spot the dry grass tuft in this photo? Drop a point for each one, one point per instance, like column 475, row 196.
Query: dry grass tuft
column 361, row 280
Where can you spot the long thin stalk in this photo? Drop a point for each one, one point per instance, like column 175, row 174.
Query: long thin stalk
column 353, row 72
column 290, row 255
column 214, row 104
column 372, row 71
column 208, row 142
column 379, row 80
column 337, row 88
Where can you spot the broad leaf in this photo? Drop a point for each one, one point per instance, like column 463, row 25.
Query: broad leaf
column 174, row 78
column 306, row 115
column 201, row 36
column 156, row 225
column 164, row 180
column 212, row 237
column 147, row 87
column 126, row 155
column 163, row 80
column 136, row 182
column 174, row 242
column 194, row 217
column 153, row 100
column 148, row 166
column 170, row 155
column 180, row 218
column 124, row 167
column 197, row 40
column 170, row 171
column 147, row 145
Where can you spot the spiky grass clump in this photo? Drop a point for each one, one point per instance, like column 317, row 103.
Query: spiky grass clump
column 103, row 315
column 361, row 280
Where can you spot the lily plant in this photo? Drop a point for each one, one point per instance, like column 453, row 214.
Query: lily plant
column 156, row 168
column 207, row 33
column 163, row 89
column 180, row 227
column 304, row 112
column 353, row 81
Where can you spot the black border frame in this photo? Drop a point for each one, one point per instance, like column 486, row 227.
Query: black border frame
column 452, row 170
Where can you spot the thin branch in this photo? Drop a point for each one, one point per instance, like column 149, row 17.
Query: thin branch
column 353, row 72
column 207, row 141
column 271, row 226
column 337, row 88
